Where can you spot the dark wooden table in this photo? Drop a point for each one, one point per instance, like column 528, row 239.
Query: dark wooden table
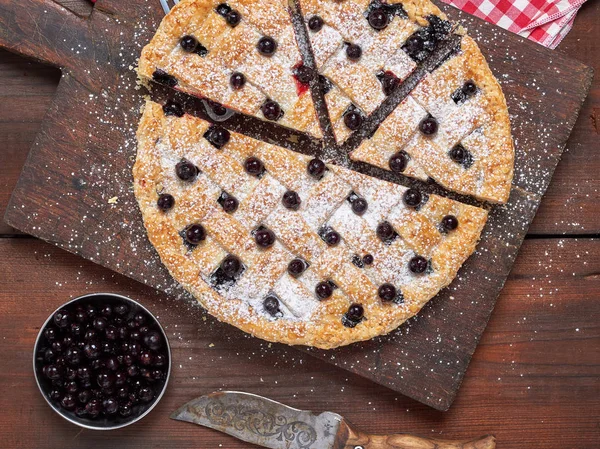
column 534, row 380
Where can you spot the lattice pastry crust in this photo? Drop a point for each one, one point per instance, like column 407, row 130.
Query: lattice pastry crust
column 349, row 260
column 470, row 151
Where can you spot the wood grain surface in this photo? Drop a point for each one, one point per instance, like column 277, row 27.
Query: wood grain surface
column 75, row 188
column 533, row 382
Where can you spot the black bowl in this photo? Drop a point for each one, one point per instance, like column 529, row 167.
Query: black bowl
column 104, row 422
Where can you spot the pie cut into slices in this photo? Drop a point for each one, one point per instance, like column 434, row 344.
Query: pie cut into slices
column 453, row 127
column 288, row 249
column 306, row 247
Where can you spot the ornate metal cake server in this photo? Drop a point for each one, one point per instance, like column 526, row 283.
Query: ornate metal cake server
column 267, row 423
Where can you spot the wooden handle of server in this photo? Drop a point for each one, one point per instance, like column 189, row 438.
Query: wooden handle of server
column 350, row 438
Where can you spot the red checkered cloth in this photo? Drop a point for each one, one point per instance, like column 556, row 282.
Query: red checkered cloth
column 546, row 22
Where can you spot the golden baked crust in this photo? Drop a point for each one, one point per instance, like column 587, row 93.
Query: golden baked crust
column 234, row 49
column 480, row 124
column 165, row 140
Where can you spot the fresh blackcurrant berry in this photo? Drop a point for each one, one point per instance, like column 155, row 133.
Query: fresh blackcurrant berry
column 449, row 223
column 264, row 238
column 291, row 200
column 428, row 126
column 296, row 267
column 323, row 290
column 188, row 43
column 399, row 161
column 237, row 80
column 266, row 46
column 418, row 264
column 387, row 292
column 316, row 168
column 194, row 234
column 254, row 166
column 385, row 231
column 353, row 120
column 271, row 305
column 165, row 201
column 315, row 23
column 359, row 206
column 186, row 171
column 353, row 52
column 378, row 18
column 271, row 110
column 412, row 198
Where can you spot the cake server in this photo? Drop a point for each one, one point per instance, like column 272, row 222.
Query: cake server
column 267, row 423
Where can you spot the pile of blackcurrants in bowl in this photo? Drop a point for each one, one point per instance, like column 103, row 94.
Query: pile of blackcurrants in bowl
column 102, row 361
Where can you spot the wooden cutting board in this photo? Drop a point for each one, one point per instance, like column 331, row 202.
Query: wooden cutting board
column 76, row 188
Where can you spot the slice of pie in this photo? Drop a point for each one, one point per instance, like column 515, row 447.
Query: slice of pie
column 300, row 249
column 286, row 247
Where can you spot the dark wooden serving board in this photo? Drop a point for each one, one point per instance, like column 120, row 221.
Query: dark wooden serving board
column 75, row 190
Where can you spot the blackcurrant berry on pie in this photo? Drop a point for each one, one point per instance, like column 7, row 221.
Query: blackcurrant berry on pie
column 162, row 77
column 359, row 206
column 194, row 234
column 470, row 88
column 449, row 223
column 237, row 80
column 189, row 43
column 291, row 200
column 323, row 290
column 355, row 312
column 266, row 46
column 415, row 47
column 296, row 267
column 353, row 119
column 165, row 201
column 271, row 305
column 399, row 161
column 461, row 155
column 332, row 238
column 412, row 198
column 353, row 52
column 217, row 136
column 315, row 23
column 233, row 18
column 385, row 231
column 231, row 265
column 428, row 126
column 264, row 238
column 271, row 110
column 186, row 171
column 378, row 18
column 389, row 82
column 418, row 264
column 304, row 74
column 228, row 203
column 387, row 292
column 316, row 168
column 368, row 259
column 254, row 166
